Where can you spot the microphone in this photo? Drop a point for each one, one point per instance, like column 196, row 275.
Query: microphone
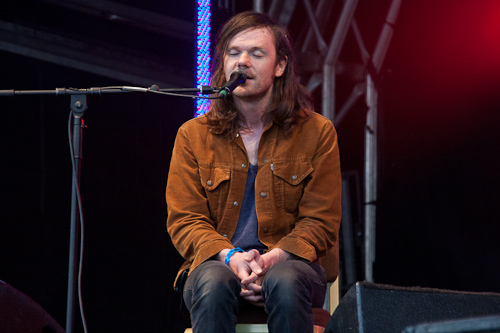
column 235, row 79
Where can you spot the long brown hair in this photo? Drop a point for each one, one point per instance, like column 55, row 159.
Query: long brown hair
column 290, row 101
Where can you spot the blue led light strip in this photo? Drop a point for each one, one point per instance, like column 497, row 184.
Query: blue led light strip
column 203, row 53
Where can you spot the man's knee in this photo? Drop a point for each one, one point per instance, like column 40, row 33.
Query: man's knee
column 284, row 278
column 293, row 281
column 287, row 272
column 212, row 281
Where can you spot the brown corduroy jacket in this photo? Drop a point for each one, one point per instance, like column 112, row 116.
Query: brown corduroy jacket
column 297, row 191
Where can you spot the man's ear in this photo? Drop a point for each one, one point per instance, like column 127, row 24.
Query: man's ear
column 280, row 68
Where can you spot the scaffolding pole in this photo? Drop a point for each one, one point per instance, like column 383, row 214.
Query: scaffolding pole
column 371, row 149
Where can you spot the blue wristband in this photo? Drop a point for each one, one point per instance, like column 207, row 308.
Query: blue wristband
column 231, row 252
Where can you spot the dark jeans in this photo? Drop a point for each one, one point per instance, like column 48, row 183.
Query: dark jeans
column 290, row 290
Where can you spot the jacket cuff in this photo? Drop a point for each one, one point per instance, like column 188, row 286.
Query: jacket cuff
column 298, row 247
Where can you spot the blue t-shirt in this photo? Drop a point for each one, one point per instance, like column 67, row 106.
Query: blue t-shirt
column 246, row 234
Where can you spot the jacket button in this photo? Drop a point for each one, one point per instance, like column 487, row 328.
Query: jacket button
column 263, row 194
column 266, row 230
column 243, row 165
column 235, row 203
column 224, row 235
column 294, row 177
column 210, row 183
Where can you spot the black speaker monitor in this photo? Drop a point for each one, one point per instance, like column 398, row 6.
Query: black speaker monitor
column 369, row 307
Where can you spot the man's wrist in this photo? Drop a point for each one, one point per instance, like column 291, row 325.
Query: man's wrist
column 282, row 254
column 288, row 255
column 221, row 256
column 230, row 253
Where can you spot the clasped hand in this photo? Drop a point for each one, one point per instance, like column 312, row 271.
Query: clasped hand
column 250, row 267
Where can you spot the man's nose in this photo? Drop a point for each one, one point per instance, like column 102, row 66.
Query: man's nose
column 244, row 59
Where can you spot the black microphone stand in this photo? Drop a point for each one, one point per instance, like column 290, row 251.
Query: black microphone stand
column 78, row 107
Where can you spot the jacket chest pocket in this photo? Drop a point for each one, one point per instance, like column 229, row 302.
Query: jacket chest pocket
column 215, row 181
column 288, row 180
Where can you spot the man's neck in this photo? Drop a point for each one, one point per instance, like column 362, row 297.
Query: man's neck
column 251, row 138
column 254, row 118
column 253, row 111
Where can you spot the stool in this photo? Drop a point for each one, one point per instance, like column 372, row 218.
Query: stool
column 321, row 319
